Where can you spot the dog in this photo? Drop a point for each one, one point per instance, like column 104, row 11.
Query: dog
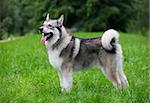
column 67, row 53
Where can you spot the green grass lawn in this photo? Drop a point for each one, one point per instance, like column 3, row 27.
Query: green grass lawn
column 27, row 77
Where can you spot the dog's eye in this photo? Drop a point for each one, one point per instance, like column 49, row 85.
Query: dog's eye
column 49, row 25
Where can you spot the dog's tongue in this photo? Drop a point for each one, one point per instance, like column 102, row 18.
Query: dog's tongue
column 43, row 39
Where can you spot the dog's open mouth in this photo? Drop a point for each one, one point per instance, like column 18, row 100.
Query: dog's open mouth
column 46, row 36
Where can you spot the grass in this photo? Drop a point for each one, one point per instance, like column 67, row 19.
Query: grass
column 27, row 77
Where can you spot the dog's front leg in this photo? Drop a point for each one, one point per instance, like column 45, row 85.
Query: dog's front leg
column 65, row 76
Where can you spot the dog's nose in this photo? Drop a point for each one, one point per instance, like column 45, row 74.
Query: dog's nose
column 41, row 29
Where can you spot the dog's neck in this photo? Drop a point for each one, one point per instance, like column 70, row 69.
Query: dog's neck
column 64, row 32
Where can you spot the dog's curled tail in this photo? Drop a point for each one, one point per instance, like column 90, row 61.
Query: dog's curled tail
column 109, row 40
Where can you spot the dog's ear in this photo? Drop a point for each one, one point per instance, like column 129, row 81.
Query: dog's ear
column 47, row 17
column 60, row 20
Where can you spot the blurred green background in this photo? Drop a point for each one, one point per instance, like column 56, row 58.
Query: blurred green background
column 19, row 17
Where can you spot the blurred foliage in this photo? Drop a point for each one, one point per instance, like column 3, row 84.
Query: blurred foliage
column 140, row 21
column 22, row 16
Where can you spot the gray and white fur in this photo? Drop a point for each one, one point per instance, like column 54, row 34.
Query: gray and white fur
column 67, row 53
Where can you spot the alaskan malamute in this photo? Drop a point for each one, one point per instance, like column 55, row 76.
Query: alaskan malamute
column 68, row 53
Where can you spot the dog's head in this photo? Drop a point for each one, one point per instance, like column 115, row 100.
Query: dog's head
column 51, row 29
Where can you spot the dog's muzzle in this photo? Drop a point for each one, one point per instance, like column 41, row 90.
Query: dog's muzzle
column 46, row 36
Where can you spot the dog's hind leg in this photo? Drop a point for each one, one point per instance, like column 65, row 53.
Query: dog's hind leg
column 122, row 76
column 112, row 75
column 123, row 79
column 65, row 75
column 109, row 68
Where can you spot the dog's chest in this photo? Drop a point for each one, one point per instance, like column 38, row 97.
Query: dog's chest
column 54, row 58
